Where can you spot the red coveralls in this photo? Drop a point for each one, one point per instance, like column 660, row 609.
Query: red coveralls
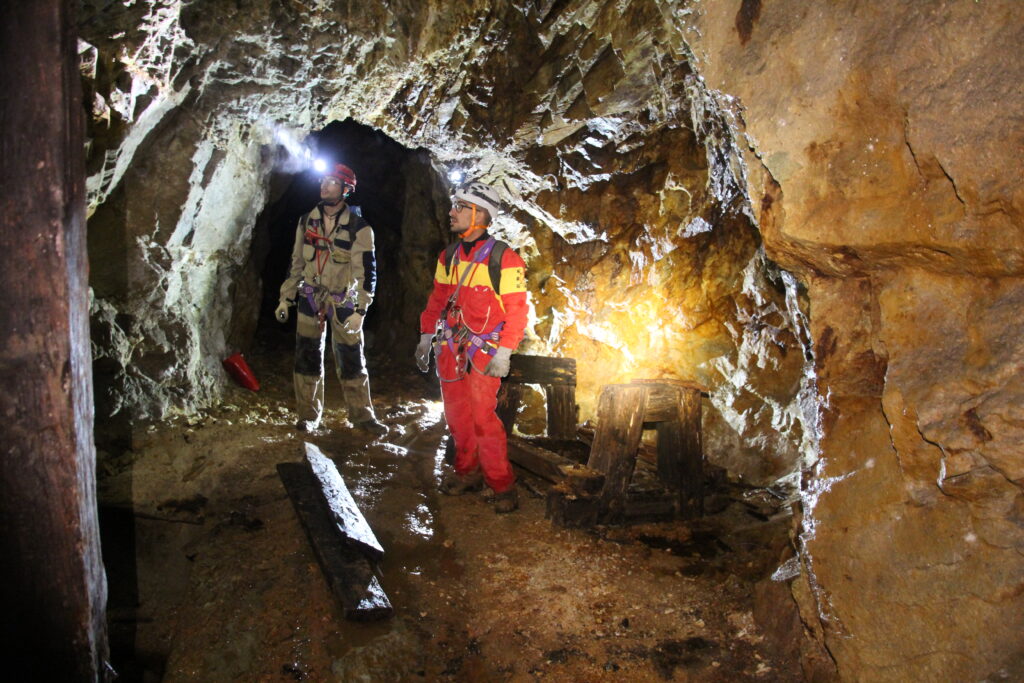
column 469, row 402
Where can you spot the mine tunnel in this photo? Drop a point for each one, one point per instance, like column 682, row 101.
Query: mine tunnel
column 392, row 181
column 763, row 422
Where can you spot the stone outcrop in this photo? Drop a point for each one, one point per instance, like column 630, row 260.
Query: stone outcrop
column 885, row 146
column 812, row 210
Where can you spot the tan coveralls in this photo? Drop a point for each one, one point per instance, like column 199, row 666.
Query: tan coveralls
column 333, row 272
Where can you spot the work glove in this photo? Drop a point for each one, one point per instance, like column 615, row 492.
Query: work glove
column 423, row 352
column 353, row 323
column 282, row 312
column 499, row 363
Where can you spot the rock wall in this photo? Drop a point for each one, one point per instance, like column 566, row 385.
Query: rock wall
column 884, row 141
column 618, row 166
column 661, row 161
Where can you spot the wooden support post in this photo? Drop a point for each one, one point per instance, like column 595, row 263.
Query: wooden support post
column 510, row 395
column 558, row 378
column 52, row 584
column 342, row 541
column 561, row 411
column 676, row 408
column 620, row 419
column 691, row 456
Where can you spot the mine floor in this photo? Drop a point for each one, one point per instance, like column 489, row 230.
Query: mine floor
column 212, row 578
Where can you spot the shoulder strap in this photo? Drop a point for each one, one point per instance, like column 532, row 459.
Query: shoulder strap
column 493, row 262
column 494, row 265
column 449, row 256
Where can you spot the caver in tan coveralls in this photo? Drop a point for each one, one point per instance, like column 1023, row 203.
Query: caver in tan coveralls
column 333, row 273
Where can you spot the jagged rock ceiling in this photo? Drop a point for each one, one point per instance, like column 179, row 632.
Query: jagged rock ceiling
column 660, row 158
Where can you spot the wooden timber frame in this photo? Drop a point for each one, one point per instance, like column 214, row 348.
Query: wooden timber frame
column 601, row 490
column 673, row 408
column 343, row 542
column 557, row 376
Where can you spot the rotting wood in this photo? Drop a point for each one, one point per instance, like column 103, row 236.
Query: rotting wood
column 510, row 397
column 552, row 466
column 340, row 504
column 542, row 370
column 52, row 585
column 562, row 411
column 349, row 573
column 674, row 410
column 649, row 507
column 565, row 509
column 690, row 456
column 620, row 416
column 557, row 377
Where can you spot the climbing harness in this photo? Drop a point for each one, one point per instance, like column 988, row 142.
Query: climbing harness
column 323, row 302
column 464, row 342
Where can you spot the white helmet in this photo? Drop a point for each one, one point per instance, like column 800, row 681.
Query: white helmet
column 480, row 194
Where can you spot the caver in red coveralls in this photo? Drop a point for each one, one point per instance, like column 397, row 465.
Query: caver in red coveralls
column 470, row 397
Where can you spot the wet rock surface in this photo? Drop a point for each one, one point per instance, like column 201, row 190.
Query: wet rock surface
column 223, row 585
column 814, row 210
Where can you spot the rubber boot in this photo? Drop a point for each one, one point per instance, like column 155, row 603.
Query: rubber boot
column 372, row 426
column 455, row 485
column 507, row 501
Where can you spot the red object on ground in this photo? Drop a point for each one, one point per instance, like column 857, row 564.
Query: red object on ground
column 240, row 372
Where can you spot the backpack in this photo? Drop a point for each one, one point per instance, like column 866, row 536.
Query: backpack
column 493, row 261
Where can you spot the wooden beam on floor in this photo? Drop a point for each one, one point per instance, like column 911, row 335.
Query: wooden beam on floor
column 347, row 552
column 343, row 509
column 552, row 466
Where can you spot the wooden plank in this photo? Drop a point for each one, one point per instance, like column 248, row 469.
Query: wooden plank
column 343, row 509
column 684, row 383
column 691, row 457
column 640, row 509
column 541, row 370
column 669, row 445
column 552, row 466
column 619, row 428
column 562, row 410
column 662, row 402
column 571, row 511
column 510, row 397
column 348, row 572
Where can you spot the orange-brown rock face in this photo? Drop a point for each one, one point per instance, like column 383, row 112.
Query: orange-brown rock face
column 887, row 146
column 660, row 162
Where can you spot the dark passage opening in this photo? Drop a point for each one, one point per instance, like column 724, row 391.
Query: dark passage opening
column 401, row 193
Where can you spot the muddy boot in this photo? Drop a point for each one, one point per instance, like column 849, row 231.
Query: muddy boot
column 506, row 502
column 371, row 426
column 454, row 485
column 307, row 425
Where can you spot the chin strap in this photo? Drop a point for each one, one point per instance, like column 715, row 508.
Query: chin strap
column 472, row 220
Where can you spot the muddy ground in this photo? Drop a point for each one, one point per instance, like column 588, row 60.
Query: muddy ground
column 212, row 577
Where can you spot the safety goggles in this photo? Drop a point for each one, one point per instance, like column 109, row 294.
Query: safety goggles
column 331, row 181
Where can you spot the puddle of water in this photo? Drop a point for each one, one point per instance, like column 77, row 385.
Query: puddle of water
column 420, row 521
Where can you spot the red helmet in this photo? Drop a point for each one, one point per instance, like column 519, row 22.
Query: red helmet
column 344, row 174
